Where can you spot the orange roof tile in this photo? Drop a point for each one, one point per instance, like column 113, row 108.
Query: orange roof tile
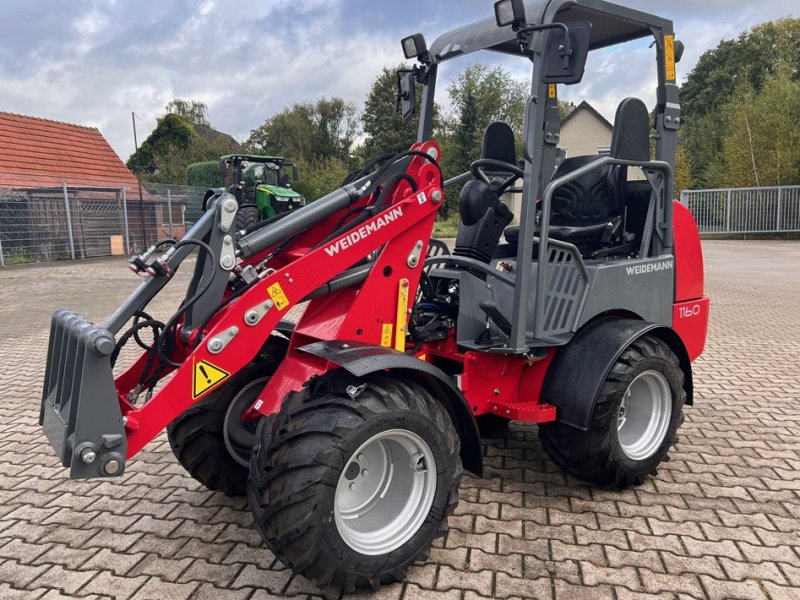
column 41, row 152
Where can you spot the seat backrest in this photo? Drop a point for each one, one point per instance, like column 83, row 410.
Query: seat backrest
column 474, row 200
column 631, row 137
column 629, row 141
column 499, row 143
column 601, row 194
column 483, row 216
column 585, row 200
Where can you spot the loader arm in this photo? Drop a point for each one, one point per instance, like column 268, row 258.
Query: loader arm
column 363, row 245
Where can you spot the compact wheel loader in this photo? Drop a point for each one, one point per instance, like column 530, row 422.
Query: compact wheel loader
column 349, row 427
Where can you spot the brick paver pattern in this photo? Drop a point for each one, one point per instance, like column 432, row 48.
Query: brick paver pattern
column 721, row 520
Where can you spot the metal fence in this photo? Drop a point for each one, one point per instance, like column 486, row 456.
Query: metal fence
column 75, row 222
column 745, row 210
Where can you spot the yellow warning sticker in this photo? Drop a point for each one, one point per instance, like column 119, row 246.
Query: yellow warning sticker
column 402, row 306
column 669, row 57
column 386, row 335
column 275, row 292
column 423, row 357
column 552, row 91
column 205, row 377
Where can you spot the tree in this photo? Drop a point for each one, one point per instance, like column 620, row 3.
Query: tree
column 478, row 96
column 171, row 133
column 752, row 58
column 321, row 178
column 385, row 129
column 194, row 111
column 311, row 132
column 288, row 133
column 564, row 108
column 683, row 171
column 318, row 136
column 734, row 65
column 762, row 144
column 174, row 144
column 703, row 137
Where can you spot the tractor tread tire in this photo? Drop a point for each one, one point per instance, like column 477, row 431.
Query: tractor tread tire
column 196, row 435
column 303, row 460
column 246, row 216
column 593, row 455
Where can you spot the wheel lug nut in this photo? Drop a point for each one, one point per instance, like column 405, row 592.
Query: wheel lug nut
column 364, row 473
column 353, row 485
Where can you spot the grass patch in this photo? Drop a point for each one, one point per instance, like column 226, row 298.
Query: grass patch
column 446, row 228
column 17, row 256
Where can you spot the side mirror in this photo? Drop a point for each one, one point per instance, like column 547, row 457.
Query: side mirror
column 295, row 173
column 565, row 54
column 510, row 12
column 406, row 94
column 223, row 171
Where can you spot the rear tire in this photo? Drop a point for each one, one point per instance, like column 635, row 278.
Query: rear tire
column 198, row 436
column 634, row 424
column 355, row 479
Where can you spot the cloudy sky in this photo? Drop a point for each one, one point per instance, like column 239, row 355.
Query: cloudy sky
column 92, row 62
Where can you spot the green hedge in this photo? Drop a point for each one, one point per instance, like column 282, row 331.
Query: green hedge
column 204, row 174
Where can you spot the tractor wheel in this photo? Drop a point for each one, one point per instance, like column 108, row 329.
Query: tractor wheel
column 246, row 216
column 355, row 479
column 634, row 424
column 209, row 439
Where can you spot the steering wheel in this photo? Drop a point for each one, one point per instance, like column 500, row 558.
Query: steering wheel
column 496, row 166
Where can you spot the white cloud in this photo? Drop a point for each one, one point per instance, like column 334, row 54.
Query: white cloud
column 91, row 23
column 250, row 59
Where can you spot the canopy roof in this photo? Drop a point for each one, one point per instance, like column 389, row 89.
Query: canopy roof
column 611, row 24
column 254, row 158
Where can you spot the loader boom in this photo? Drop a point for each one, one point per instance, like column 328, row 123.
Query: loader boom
column 225, row 333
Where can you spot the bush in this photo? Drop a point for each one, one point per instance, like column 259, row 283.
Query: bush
column 321, row 178
column 204, row 174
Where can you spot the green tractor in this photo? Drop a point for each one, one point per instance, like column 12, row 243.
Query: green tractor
column 262, row 186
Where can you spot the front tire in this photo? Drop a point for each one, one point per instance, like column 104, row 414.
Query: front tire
column 202, row 437
column 634, row 424
column 246, row 216
column 355, row 479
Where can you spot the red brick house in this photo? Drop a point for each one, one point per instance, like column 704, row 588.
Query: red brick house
column 37, row 152
column 38, row 157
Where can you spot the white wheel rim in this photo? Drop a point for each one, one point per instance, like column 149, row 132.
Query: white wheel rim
column 644, row 415
column 385, row 492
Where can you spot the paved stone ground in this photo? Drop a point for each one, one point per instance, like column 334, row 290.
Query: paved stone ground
column 722, row 520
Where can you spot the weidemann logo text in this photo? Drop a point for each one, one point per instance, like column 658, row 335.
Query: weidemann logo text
column 664, row 265
column 364, row 231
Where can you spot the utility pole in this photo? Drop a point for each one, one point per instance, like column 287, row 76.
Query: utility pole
column 139, row 179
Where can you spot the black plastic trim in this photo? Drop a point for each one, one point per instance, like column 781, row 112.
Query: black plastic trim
column 577, row 373
column 362, row 359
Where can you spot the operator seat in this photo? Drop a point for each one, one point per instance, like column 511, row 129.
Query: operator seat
column 588, row 211
column 483, row 216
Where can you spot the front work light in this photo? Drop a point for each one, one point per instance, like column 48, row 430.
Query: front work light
column 414, row 46
column 510, row 12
